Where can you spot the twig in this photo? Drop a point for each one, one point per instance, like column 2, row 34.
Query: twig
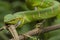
column 35, row 31
column 12, row 29
column 2, row 28
column 51, row 28
column 13, row 32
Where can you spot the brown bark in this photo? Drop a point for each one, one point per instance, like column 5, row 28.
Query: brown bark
column 38, row 30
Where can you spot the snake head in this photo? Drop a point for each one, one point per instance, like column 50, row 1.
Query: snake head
column 11, row 19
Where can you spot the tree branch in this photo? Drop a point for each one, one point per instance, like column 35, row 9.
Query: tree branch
column 38, row 30
column 13, row 32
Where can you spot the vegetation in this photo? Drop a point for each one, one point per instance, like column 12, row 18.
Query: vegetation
column 10, row 9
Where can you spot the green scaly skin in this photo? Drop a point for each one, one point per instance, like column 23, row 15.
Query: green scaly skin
column 32, row 15
column 40, row 4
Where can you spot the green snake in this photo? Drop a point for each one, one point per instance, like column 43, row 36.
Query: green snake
column 38, row 10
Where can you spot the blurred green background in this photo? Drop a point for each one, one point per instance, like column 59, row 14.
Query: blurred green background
column 12, row 6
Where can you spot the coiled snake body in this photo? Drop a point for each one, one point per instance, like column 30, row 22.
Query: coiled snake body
column 33, row 15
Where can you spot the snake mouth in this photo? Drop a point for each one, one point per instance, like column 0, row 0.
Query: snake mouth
column 16, row 24
column 14, row 21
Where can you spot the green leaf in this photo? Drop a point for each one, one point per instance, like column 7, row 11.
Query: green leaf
column 4, row 4
column 27, row 27
column 55, row 38
column 3, row 36
column 19, row 6
column 57, row 20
